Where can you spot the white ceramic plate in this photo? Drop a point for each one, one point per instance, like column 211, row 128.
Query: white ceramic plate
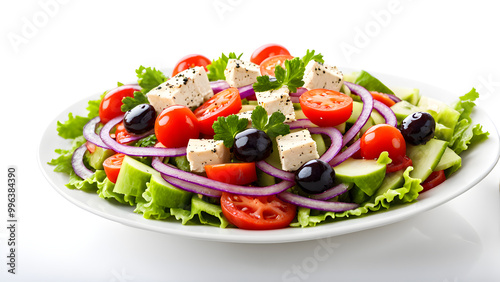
column 476, row 164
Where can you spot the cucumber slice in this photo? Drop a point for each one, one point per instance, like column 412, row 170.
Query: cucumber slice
column 166, row 195
column 403, row 109
column 133, row 177
column 425, row 157
column 449, row 162
column 392, row 180
column 96, row 158
column 411, row 95
column 368, row 175
column 320, row 143
column 264, row 179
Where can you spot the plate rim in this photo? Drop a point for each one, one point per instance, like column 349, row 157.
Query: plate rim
column 231, row 235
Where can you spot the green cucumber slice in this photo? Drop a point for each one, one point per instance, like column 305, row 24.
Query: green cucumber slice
column 133, row 177
column 425, row 157
column 449, row 162
column 368, row 175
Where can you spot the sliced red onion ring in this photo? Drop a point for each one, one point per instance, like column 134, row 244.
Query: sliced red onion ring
column 219, row 85
column 90, row 135
column 275, row 172
column 134, row 137
column 315, row 204
column 386, row 112
column 332, row 192
column 136, row 151
column 77, row 163
column 367, row 100
column 294, row 99
column 394, row 98
column 301, row 123
column 246, row 91
column 346, row 154
column 300, row 91
column 191, row 187
column 217, row 185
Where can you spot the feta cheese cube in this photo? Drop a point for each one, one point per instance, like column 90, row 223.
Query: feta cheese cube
column 188, row 88
column 323, row 76
column 201, row 152
column 240, row 73
column 295, row 149
column 277, row 100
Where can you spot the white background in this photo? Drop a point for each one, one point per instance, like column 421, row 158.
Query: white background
column 55, row 54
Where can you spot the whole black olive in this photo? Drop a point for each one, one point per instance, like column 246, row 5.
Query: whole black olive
column 252, row 145
column 418, row 128
column 140, row 119
column 315, row 176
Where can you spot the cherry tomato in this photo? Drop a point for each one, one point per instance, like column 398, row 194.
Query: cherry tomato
column 191, row 61
column 383, row 137
column 222, row 104
column 112, row 166
column 112, row 102
column 90, row 147
column 232, row 173
column 395, row 166
column 266, row 51
column 383, row 98
column 268, row 65
column 266, row 212
column 175, row 126
column 436, row 178
column 121, row 134
column 326, row 107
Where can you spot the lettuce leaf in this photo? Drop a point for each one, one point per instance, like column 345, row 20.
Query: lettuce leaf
column 63, row 162
column 201, row 212
column 382, row 199
column 73, row 127
column 371, row 83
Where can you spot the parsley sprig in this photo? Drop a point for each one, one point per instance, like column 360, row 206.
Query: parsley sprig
column 217, row 67
column 147, row 78
column 312, row 56
column 226, row 128
column 290, row 76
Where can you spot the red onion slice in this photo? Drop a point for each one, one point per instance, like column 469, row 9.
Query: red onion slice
column 332, row 192
column 346, row 154
column 219, row 85
column 386, row 112
column 216, row 185
column 367, row 100
column 77, row 163
column 246, row 91
column 191, row 187
column 90, row 135
column 394, row 98
column 300, row 91
column 315, row 204
column 136, row 151
column 275, row 172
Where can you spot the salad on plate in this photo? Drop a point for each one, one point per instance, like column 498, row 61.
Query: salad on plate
column 272, row 142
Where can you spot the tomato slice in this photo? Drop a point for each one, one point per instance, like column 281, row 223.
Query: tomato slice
column 266, row 51
column 175, row 125
column 383, row 137
column 326, row 107
column 222, row 104
column 112, row 166
column 232, row 173
column 257, row 213
column 121, row 134
column 111, row 104
column 402, row 164
column 383, row 98
column 191, row 61
column 268, row 65
column 434, row 179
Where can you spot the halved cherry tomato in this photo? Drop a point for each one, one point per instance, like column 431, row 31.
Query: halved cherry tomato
column 434, row 179
column 121, row 134
column 268, row 65
column 266, row 51
column 175, row 125
column 191, row 61
column 90, row 146
column 111, row 104
column 266, row 212
column 383, row 137
column 395, row 166
column 112, row 166
column 383, row 98
column 222, row 104
column 326, row 107
column 232, row 173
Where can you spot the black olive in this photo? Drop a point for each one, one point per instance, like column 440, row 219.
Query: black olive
column 140, row 119
column 418, row 128
column 252, row 145
column 315, row 176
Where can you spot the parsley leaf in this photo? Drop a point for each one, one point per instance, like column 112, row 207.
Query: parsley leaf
column 217, row 67
column 310, row 55
column 129, row 103
column 290, row 76
column 226, row 128
column 273, row 126
column 149, row 78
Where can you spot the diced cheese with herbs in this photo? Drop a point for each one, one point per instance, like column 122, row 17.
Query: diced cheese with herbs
column 295, row 149
column 188, row 88
column 277, row 100
column 201, row 152
column 323, row 76
column 240, row 73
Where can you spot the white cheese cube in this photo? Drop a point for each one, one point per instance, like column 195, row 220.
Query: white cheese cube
column 323, row 76
column 188, row 88
column 295, row 149
column 201, row 152
column 277, row 100
column 240, row 73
